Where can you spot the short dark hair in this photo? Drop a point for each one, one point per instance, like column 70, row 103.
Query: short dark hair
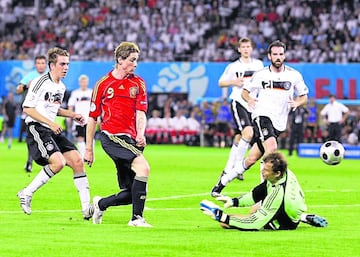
column 276, row 43
column 40, row 57
column 278, row 161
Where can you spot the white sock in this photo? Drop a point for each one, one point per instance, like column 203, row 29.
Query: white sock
column 231, row 160
column 41, row 179
column 82, row 185
column 228, row 177
column 241, row 149
column 81, row 148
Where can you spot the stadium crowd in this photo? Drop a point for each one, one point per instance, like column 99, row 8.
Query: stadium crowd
column 189, row 30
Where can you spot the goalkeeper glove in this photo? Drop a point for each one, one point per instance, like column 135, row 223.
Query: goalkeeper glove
column 228, row 201
column 211, row 209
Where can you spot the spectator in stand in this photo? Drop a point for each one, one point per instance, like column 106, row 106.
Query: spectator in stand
column 297, row 124
column 311, row 122
column 350, row 131
column 222, row 122
column 179, row 125
column 208, row 122
column 334, row 115
column 154, row 128
column 167, row 126
column 192, row 135
column 9, row 112
column 322, row 18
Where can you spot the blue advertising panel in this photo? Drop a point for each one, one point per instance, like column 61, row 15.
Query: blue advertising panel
column 196, row 79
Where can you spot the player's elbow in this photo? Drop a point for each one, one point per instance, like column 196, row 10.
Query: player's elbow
column 26, row 110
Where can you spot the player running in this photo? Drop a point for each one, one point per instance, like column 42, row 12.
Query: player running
column 279, row 88
column 236, row 74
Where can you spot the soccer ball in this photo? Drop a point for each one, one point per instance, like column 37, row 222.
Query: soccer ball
column 332, row 152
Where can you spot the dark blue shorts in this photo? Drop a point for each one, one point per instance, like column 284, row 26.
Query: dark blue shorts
column 122, row 150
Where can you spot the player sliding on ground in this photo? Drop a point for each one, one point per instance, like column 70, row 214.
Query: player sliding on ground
column 278, row 203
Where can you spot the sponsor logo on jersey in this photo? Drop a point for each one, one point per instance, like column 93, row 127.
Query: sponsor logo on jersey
column 282, row 85
column 54, row 98
column 248, row 73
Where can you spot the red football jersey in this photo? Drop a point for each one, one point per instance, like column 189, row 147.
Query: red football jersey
column 116, row 101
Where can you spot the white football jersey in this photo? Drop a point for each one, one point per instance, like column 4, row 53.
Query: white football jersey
column 80, row 100
column 240, row 69
column 274, row 90
column 45, row 96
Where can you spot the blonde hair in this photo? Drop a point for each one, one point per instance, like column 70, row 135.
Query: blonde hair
column 124, row 50
column 83, row 76
column 245, row 40
column 54, row 52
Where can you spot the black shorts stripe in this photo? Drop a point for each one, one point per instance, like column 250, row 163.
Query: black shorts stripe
column 241, row 116
column 124, row 144
column 39, row 141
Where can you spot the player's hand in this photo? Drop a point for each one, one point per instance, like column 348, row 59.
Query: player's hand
column 140, row 141
column 79, row 119
column 56, row 128
column 89, row 157
column 228, row 201
column 293, row 104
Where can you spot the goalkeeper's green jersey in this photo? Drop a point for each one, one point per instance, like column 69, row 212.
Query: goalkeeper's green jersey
column 281, row 205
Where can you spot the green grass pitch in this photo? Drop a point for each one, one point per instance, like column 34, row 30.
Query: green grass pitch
column 180, row 178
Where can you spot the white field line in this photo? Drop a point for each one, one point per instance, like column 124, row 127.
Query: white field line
column 4, row 212
column 239, row 193
column 196, row 208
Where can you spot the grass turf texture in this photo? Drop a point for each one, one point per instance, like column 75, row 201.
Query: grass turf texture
column 180, row 178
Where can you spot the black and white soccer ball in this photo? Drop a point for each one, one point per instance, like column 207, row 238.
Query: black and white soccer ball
column 332, row 152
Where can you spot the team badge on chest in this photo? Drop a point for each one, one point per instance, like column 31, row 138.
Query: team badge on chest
column 133, row 92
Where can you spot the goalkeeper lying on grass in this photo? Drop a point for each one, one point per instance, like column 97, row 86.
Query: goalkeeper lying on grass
column 278, row 202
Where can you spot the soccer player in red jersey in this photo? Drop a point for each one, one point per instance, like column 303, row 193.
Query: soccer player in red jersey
column 119, row 99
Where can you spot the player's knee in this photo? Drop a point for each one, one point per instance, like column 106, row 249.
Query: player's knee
column 250, row 160
column 141, row 167
column 248, row 133
column 57, row 164
column 142, row 171
column 74, row 160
